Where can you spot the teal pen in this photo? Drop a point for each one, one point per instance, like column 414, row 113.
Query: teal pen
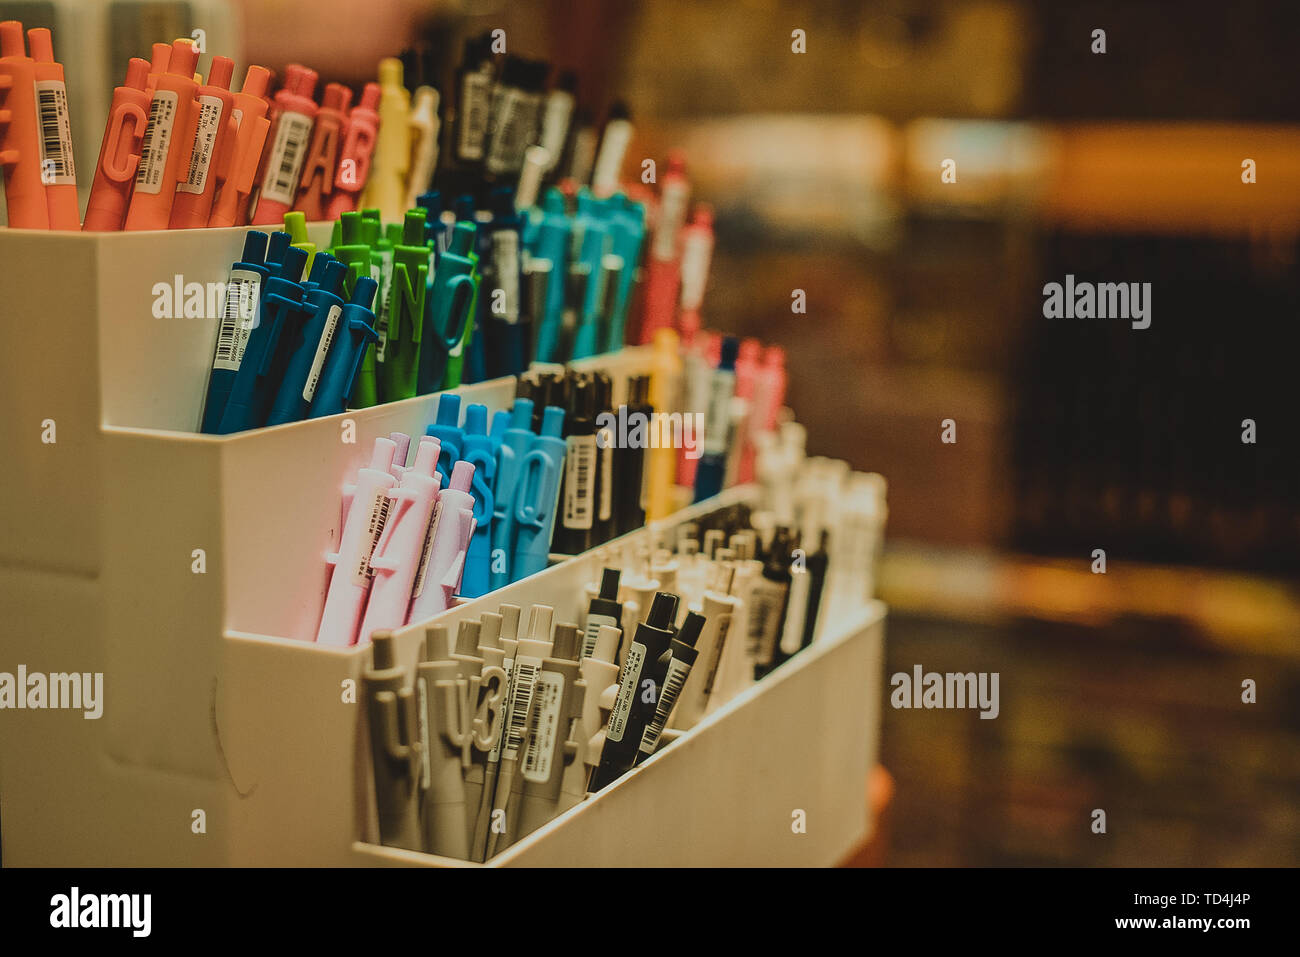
column 592, row 225
column 551, row 244
column 515, row 443
column 451, row 300
column 627, row 232
column 477, row 450
column 536, row 495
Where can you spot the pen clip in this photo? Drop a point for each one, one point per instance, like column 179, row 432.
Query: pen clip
column 117, row 135
column 487, row 732
column 535, row 494
column 462, row 294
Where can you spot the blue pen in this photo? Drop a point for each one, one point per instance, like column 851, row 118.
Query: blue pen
column 516, row 440
column 500, row 422
column 445, row 429
column 355, row 332
column 448, row 308
column 537, row 493
column 276, row 247
column 477, row 450
column 712, row 467
column 303, row 373
column 627, row 232
column 282, row 305
column 435, row 230
column 552, row 244
column 244, row 289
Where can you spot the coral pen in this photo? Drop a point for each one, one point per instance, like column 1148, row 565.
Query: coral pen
column 214, row 141
column 293, row 126
column 165, row 158
column 358, row 148
column 20, row 152
column 119, row 153
column 251, row 125
column 317, row 180
column 58, row 171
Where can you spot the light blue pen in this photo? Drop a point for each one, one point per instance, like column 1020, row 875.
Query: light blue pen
column 627, row 231
column 536, row 495
column 516, row 440
column 552, row 244
column 445, row 429
column 477, row 450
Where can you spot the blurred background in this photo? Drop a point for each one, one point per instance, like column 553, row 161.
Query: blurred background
column 1120, row 691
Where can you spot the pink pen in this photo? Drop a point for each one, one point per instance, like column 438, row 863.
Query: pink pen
column 397, row 555
column 443, row 561
column 747, row 386
column 351, row 578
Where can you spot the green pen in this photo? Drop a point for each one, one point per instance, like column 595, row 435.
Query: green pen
column 448, row 314
column 401, row 367
column 355, row 252
column 381, row 263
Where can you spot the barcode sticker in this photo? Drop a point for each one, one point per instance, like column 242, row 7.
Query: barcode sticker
column 579, row 481
column 526, row 670
column 475, row 98
column 157, row 140
column 422, row 571
column 322, row 350
column 507, row 133
column 238, row 319
column 717, row 419
column 673, row 681
column 57, row 168
column 626, row 691
column 544, row 728
column 724, row 626
column 204, row 143
column 505, row 268
column 287, row 155
column 594, row 623
column 377, row 514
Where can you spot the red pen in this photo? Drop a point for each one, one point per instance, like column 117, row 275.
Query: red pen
column 159, row 58
column 20, row 149
column 58, row 171
column 747, row 391
column 213, row 142
column 322, row 158
column 119, row 153
column 290, row 136
column 251, row 124
column 165, row 155
column 663, row 267
column 354, row 159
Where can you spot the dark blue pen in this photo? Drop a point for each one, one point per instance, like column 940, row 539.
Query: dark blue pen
column 356, row 330
column 244, row 290
column 303, row 373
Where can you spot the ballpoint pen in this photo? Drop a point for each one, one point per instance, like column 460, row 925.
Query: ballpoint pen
column 231, row 205
column 477, row 450
column 20, row 143
column 515, row 443
column 401, row 366
column 386, row 185
column 168, row 140
column 295, row 114
column 356, row 153
column 351, row 575
column 663, row 264
column 308, row 355
column 244, row 285
column 58, row 171
column 711, row 469
column 316, row 183
column 119, row 151
column 282, row 312
column 423, row 132
column 354, row 333
column 627, row 234
column 536, row 494
column 210, row 155
column 446, row 429
column 439, row 575
column 551, row 243
column 501, row 327
column 395, row 746
column 449, row 311
column 552, row 746
column 682, row 656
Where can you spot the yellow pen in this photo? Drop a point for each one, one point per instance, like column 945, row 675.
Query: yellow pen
column 386, row 188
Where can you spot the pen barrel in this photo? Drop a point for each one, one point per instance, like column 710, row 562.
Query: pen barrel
column 59, row 169
column 397, row 556
column 119, row 156
column 316, row 182
column 210, row 156
column 20, row 146
column 443, row 812
column 543, row 765
column 230, row 208
column 440, row 574
column 351, row 577
column 396, row 754
column 663, row 278
column 165, row 160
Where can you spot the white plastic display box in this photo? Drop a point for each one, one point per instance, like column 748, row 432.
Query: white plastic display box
column 128, row 549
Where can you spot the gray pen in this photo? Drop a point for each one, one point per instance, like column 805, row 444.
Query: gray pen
column 395, row 747
column 552, row 748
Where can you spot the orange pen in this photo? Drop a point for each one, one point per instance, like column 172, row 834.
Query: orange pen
column 119, row 153
column 358, row 148
column 165, row 157
column 58, row 171
column 162, row 53
column 290, row 136
column 214, row 141
column 20, row 150
column 323, row 156
column 249, row 114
